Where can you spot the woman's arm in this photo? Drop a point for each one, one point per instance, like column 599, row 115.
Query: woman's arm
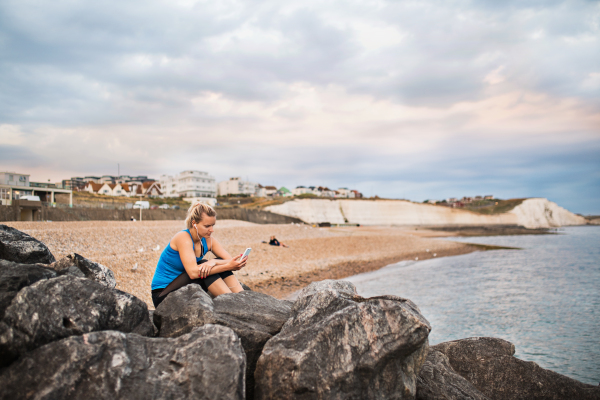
column 184, row 245
column 227, row 263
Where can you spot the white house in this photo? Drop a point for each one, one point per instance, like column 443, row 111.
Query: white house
column 345, row 193
column 191, row 184
column 301, row 190
column 236, row 186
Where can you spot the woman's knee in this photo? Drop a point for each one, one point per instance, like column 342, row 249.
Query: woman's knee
column 218, row 287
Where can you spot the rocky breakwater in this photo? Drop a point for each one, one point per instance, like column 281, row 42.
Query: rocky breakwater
column 486, row 369
column 66, row 332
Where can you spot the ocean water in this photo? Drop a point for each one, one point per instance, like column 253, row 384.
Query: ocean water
column 544, row 298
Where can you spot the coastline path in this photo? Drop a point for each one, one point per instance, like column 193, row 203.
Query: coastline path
column 132, row 249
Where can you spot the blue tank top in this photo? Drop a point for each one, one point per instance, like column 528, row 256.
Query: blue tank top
column 170, row 266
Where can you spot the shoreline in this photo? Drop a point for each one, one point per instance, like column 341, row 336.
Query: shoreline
column 283, row 288
column 131, row 249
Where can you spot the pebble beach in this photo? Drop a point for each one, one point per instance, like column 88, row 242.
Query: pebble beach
column 132, row 249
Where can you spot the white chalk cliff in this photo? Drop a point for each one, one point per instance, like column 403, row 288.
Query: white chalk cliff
column 531, row 213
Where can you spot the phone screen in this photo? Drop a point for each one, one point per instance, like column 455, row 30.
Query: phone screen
column 246, row 252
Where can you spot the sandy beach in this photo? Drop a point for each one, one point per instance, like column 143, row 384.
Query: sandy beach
column 132, row 249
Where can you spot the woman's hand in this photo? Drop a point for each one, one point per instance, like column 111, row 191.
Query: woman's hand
column 237, row 263
column 205, row 268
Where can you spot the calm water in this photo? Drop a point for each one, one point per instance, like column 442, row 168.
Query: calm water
column 544, row 298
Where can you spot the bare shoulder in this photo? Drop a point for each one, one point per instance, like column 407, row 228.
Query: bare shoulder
column 180, row 239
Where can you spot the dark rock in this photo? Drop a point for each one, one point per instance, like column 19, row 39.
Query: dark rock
column 254, row 317
column 81, row 267
column 14, row 277
column 338, row 345
column 53, row 309
column 489, row 364
column 207, row 363
column 245, row 287
column 21, row 248
column 438, row 381
column 154, row 328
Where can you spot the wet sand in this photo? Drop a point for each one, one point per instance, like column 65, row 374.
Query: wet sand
column 132, row 249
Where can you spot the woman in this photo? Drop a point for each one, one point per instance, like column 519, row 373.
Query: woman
column 181, row 261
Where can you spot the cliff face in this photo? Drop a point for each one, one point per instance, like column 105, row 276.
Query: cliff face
column 541, row 213
column 532, row 213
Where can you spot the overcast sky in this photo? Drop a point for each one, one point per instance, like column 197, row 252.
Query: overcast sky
column 403, row 99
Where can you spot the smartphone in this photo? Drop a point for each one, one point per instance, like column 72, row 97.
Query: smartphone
column 248, row 250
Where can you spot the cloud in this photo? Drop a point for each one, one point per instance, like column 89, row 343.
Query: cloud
column 406, row 98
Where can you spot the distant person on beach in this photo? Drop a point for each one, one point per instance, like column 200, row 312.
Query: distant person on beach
column 274, row 242
column 181, row 262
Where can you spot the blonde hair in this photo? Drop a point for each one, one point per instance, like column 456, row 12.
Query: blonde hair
column 196, row 212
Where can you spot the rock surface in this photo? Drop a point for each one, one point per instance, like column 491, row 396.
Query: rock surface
column 76, row 265
column 207, row 363
column 438, row 381
column 21, row 248
column 15, row 276
column 53, row 309
column 254, row 317
column 338, row 345
column 489, row 364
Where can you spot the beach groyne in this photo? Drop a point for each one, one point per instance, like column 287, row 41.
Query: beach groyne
column 531, row 213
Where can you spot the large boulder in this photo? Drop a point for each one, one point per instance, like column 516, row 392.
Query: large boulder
column 15, row 276
column 338, row 345
column 21, row 248
column 438, row 381
column 207, row 363
column 56, row 308
column 81, row 267
column 254, row 317
column 489, row 364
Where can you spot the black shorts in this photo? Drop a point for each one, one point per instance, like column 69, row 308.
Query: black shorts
column 158, row 295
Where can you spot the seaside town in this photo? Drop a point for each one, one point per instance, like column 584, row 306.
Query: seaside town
column 190, row 186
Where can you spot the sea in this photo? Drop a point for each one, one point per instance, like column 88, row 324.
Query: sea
column 543, row 297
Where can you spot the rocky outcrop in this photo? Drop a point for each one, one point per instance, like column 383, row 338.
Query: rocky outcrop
column 53, row 309
column 438, row 381
column 489, row 365
column 15, row 276
column 76, row 265
column 207, row 363
column 21, row 248
column 339, row 345
column 254, row 317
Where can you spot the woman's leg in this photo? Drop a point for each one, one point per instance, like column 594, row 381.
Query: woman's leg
column 233, row 284
column 218, row 287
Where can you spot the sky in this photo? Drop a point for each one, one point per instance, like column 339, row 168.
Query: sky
column 401, row 99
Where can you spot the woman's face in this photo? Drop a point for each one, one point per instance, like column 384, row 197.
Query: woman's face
column 206, row 226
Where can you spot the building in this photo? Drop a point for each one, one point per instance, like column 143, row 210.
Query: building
column 264, row 191
column 236, row 186
column 301, row 190
column 283, row 192
column 488, row 197
column 190, row 184
column 145, row 189
column 344, row 193
column 14, row 186
column 75, row 183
